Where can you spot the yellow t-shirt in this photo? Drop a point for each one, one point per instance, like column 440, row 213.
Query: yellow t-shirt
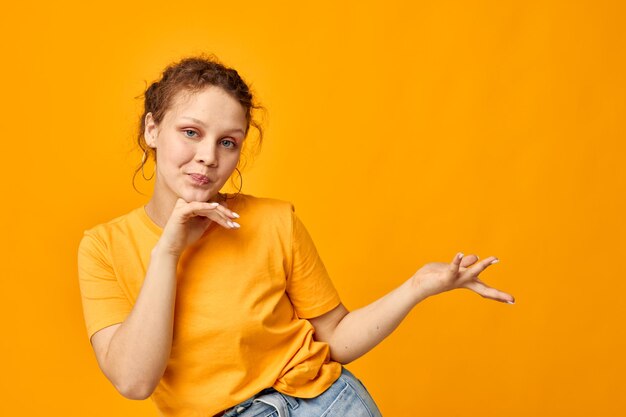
column 243, row 296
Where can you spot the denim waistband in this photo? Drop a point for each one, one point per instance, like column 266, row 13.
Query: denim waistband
column 347, row 396
column 239, row 408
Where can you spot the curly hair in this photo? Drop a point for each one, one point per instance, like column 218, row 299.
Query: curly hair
column 193, row 74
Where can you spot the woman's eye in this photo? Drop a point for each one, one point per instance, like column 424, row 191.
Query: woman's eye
column 189, row 130
column 228, row 143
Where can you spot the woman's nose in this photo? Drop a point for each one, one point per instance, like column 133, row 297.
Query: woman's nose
column 207, row 154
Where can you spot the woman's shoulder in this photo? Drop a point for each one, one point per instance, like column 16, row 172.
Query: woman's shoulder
column 254, row 203
column 265, row 212
column 119, row 223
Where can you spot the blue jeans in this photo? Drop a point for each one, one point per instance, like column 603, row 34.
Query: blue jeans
column 347, row 396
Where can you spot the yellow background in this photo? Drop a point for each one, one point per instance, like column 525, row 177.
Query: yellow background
column 402, row 131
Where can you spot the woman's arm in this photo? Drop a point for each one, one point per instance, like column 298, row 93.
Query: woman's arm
column 352, row 334
column 138, row 351
column 137, row 354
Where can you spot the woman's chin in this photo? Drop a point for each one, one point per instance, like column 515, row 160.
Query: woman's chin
column 190, row 196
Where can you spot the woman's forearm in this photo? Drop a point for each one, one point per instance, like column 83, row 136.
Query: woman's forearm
column 360, row 330
column 140, row 348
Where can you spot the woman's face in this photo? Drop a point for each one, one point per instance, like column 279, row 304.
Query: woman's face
column 198, row 144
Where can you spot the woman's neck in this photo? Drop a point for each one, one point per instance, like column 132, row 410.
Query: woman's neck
column 158, row 213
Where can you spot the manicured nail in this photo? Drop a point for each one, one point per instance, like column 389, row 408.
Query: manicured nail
column 495, row 261
column 215, row 204
column 236, row 225
column 510, row 302
column 235, row 215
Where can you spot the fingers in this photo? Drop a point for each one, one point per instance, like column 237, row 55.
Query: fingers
column 468, row 260
column 470, row 276
column 228, row 212
column 456, row 262
column 213, row 211
column 486, row 291
column 474, row 283
column 479, row 267
column 464, row 261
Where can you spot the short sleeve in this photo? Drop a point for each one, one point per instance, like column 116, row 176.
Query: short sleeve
column 104, row 302
column 309, row 286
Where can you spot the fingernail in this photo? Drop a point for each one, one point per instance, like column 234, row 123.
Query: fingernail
column 511, row 302
column 215, row 204
column 235, row 215
column 495, row 261
column 230, row 224
column 460, row 255
column 236, row 225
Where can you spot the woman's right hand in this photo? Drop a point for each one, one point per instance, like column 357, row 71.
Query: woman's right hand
column 189, row 221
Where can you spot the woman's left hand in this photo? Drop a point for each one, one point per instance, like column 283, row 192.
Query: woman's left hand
column 437, row 277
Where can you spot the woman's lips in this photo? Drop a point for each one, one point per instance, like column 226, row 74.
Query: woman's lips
column 200, row 179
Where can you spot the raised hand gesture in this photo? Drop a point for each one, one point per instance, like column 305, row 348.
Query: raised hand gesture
column 437, row 277
column 189, row 221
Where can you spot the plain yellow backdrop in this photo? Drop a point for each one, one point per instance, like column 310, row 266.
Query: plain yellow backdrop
column 402, row 131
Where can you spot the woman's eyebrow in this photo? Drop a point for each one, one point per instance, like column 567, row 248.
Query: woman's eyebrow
column 200, row 122
column 193, row 119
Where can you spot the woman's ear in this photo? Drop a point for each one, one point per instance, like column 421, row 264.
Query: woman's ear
column 150, row 131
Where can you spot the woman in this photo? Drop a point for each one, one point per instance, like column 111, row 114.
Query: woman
column 215, row 304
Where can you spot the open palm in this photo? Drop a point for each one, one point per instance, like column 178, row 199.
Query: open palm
column 437, row 277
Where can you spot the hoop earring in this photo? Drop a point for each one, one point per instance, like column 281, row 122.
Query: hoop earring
column 240, row 186
column 143, row 161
